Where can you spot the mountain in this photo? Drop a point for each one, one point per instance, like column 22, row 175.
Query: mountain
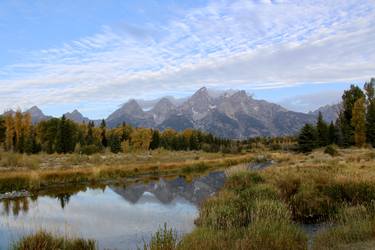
column 232, row 114
column 37, row 115
column 130, row 113
column 329, row 112
column 162, row 110
column 76, row 116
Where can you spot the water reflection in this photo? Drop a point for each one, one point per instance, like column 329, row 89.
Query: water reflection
column 118, row 216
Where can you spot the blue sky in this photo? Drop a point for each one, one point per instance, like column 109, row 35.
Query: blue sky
column 94, row 55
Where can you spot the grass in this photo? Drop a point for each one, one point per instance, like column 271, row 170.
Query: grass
column 53, row 170
column 263, row 210
column 46, row 241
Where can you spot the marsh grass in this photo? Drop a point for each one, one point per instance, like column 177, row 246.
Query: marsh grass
column 163, row 239
column 46, row 241
column 98, row 168
column 262, row 210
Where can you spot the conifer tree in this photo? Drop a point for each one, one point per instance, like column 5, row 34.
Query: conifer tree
column 370, row 114
column 155, row 141
column 115, row 143
column 359, row 122
column 322, row 131
column 307, row 139
column 332, row 134
column 103, row 135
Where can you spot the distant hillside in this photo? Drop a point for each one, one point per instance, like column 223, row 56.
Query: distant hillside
column 329, row 112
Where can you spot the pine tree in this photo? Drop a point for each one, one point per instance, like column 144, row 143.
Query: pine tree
column 307, row 139
column 103, row 135
column 359, row 122
column 155, row 141
column 370, row 115
column 90, row 136
column 115, row 143
column 332, row 134
column 322, row 131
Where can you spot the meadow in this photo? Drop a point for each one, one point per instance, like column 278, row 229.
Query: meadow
column 267, row 209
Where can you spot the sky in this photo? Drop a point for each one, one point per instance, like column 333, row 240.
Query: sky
column 94, row 55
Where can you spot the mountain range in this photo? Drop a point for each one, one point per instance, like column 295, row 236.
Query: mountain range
column 231, row 114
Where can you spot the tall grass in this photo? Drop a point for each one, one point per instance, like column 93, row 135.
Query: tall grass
column 47, row 241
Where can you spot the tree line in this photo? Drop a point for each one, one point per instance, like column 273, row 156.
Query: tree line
column 61, row 135
column 355, row 125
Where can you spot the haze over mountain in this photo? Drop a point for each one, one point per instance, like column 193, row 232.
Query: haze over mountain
column 230, row 114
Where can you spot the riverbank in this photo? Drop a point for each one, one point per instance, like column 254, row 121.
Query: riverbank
column 56, row 170
column 264, row 209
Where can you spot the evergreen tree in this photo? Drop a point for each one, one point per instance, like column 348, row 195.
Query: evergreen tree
column 332, row 134
column 103, row 135
column 322, row 131
column 307, row 139
column 115, row 143
column 359, row 122
column 90, row 137
column 155, row 141
column 370, row 115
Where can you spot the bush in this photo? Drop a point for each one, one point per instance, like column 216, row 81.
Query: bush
column 224, row 211
column 46, row 241
column 163, row 239
column 209, row 239
column 243, row 180
column 90, row 149
column 309, row 205
column 275, row 235
column 331, row 150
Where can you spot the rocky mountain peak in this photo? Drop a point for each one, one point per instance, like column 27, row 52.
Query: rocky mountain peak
column 76, row 116
column 132, row 107
column 35, row 111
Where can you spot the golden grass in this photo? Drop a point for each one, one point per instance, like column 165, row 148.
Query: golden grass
column 113, row 166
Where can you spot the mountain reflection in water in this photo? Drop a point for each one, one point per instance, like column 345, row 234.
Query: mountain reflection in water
column 117, row 217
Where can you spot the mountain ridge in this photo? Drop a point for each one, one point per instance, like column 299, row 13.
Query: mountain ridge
column 230, row 114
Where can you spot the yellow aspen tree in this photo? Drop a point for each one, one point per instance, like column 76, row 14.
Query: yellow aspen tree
column 359, row 122
column 18, row 127
column 9, row 132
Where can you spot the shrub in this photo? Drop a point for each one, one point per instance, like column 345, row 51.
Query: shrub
column 309, row 205
column 90, row 149
column 243, row 180
column 209, row 239
column 331, row 150
column 272, row 210
column 46, row 241
column 163, row 239
column 224, row 211
column 275, row 235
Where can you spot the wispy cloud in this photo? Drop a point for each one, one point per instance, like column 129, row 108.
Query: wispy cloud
column 226, row 44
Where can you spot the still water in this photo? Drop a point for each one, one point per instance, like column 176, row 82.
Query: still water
column 118, row 217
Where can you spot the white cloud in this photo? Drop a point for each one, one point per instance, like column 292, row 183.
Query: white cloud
column 227, row 44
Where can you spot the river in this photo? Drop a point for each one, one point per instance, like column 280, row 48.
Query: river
column 121, row 216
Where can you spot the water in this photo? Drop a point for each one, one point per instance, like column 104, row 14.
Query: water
column 117, row 217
